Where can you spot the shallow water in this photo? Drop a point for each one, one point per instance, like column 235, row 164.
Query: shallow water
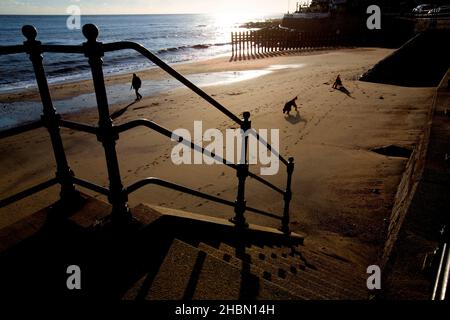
column 16, row 113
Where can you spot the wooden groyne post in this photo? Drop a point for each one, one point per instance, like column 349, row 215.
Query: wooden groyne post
column 260, row 43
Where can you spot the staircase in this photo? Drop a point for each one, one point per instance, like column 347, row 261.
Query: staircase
column 223, row 264
column 167, row 254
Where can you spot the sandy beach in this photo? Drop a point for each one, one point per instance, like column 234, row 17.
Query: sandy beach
column 343, row 191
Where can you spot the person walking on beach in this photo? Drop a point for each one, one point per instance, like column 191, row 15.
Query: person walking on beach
column 338, row 82
column 136, row 85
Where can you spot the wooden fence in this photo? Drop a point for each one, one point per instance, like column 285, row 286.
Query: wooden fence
column 260, row 43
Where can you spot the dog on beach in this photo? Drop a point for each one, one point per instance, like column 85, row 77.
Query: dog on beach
column 288, row 106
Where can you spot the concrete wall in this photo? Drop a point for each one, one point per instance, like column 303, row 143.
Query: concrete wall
column 421, row 207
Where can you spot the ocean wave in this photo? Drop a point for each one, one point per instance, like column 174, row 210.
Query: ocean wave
column 195, row 46
column 170, row 49
column 201, row 46
column 137, row 39
column 67, row 70
column 60, row 63
column 55, row 42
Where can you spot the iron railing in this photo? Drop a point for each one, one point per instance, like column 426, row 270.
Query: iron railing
column 442, row 272
column 107, row 133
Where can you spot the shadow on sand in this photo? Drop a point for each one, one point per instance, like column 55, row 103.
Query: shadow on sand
column 121, row 111
column 240, row 56
column 295, row 118
column 344, row 90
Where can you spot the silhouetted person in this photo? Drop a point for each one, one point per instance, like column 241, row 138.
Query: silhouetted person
column 288, row 106
column 338, row 82
column 136, row 85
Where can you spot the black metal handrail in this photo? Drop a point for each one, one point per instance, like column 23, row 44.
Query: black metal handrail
column 21, row 129
column 107, row 133
column 154, row 126
column 167, row 184
column 124, row 45
column 441, row 280
column 166, row 132
column 28, row 192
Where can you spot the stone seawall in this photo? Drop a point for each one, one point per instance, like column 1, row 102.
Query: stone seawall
column 421, row 206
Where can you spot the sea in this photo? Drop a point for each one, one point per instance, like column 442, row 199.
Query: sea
column 175, row 38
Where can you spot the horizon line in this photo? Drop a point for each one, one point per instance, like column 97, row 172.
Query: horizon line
column 119, row 14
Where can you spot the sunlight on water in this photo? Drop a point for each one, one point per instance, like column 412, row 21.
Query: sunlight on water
column 230, row 19
column 226, row 77
column 174, row 38
column 12, row 114
column 275, row 67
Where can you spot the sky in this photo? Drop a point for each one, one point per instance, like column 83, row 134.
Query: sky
column 146, row 6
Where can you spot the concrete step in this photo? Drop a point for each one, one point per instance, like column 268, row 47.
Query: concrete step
column 192, row 274
column 321, row 288
column 298, row 268
column 213, row 227
column 271, row 275
column 350, row 274
column 345, row 266
column 311, row 257
column 340, row 277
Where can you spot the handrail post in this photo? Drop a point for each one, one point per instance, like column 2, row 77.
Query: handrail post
column 287, row 197
column 242, row 174
column 107, row 135
column 68, row 195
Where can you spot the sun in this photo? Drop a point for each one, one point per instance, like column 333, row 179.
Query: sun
column 228, row 17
